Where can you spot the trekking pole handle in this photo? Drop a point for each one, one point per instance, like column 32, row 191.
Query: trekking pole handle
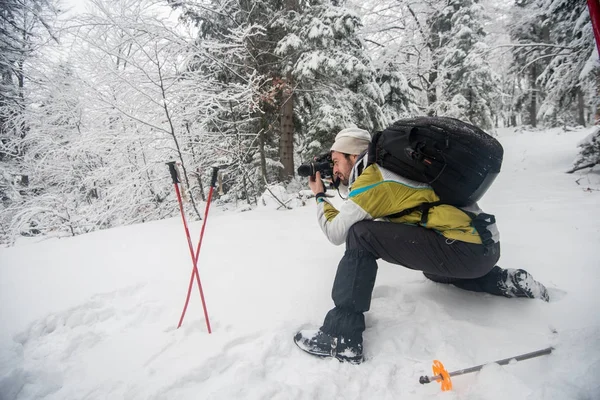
column 173, row 172
column 215, row 174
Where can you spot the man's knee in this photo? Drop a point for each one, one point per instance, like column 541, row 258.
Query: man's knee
column 358, row 236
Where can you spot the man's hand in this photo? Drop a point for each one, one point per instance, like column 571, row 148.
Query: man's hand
column 316, row 184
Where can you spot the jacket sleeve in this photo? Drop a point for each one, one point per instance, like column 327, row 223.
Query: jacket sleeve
column 336, row 224
column 372, row 196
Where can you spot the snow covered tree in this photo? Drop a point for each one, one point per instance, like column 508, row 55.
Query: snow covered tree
column 466, row 85
column 175, row 97
column 335, row 80
column 552, row 56
column 589, row 155
column 215, row 21
column 25, row 27
column 103, row 124
column 316, row 76
column 530, row 33
column 396, row 38
column 571, row 67
column 399, row 98
column 54, row 158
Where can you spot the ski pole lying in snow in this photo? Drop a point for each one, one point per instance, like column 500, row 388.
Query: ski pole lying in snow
column 441, row 375
column 195, row 255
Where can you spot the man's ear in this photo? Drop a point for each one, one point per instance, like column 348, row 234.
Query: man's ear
column 353, row 158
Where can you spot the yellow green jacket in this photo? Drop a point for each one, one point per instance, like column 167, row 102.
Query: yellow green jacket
column 377, row 193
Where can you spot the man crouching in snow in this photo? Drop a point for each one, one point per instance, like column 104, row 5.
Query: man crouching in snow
column 447, row 249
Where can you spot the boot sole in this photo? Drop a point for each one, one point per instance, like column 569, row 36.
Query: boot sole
column 338, row 357
column 320, row 355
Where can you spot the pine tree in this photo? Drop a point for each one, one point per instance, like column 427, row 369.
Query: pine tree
column 216, row 20
column 466, row 84
column 589, row 155
column 24, row 27
column 335, row 81
column 530, row 31
column 316, row 77
column 396, row 41
column 400, row 100
column 570, row 68
column 552, row 58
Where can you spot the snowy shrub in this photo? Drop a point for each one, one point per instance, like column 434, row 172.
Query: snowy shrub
column 276, row 197
column 590, row 151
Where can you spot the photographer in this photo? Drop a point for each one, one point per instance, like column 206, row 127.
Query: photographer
column 447, row 248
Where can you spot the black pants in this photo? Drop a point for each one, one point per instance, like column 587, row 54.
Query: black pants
column 465, row 265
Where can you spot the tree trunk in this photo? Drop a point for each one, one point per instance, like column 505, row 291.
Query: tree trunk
column 534, row 94
column 191, row 146
column 580, row 107
column 286, row 142
column 261, row 151
column 199, row 177
column 245, row 188
column 470, row 97
column 292, row 5
column 431, row 89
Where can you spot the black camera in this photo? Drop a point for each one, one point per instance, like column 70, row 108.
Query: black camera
column 322, row 163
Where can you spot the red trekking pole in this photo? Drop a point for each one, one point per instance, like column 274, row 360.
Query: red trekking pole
column 195, row 255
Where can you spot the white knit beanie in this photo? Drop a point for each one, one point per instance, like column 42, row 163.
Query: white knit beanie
column 351, row 141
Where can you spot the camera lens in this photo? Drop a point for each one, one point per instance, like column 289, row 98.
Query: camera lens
column 305, row 169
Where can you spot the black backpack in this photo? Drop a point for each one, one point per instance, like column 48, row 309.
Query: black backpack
column 458, row 160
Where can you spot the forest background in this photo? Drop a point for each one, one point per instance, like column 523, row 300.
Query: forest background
column 94, row 102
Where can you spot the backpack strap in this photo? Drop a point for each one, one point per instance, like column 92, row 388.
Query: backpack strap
column 372, row 150
column 423, row 207
column 479, row 222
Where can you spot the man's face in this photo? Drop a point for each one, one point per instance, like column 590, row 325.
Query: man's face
column 342, row 166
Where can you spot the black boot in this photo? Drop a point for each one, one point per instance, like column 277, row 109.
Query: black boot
column 321, row 344
column 520, row 283
column 500, row 282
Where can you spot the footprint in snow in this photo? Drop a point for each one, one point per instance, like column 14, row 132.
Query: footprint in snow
column 556, row 294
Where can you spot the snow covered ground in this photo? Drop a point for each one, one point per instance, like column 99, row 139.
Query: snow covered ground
column 94, row 316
